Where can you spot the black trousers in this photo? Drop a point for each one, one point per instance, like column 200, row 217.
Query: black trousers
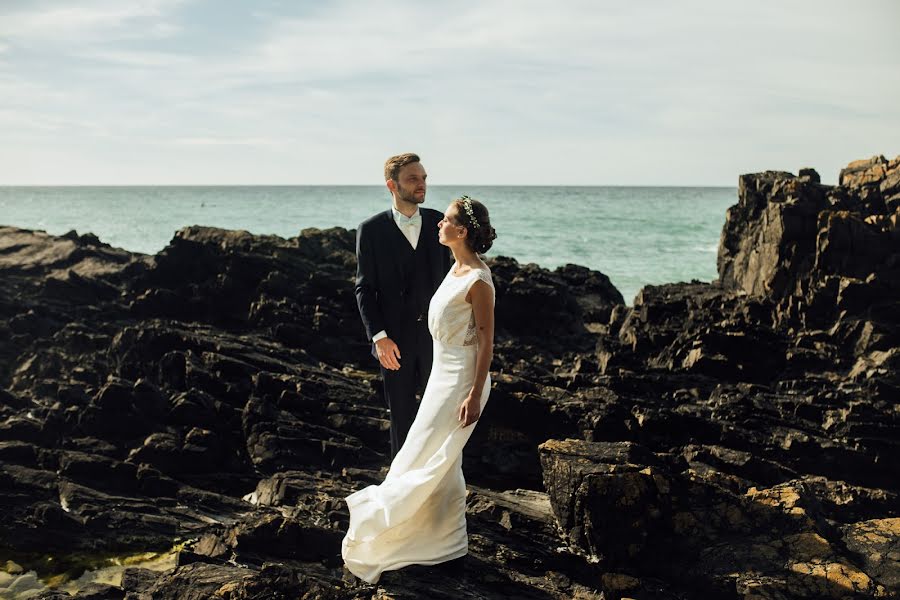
column 401, row 386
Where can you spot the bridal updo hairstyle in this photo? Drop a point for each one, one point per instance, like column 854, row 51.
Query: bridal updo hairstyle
column 480, row 238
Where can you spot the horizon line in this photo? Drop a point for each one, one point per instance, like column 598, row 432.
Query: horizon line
column 246, row 185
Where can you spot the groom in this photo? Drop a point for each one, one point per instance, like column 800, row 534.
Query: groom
column 400, row 264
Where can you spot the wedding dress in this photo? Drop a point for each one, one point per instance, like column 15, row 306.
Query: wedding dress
column 418, row 514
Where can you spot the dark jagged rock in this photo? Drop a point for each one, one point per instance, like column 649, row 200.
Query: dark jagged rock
column 197, row 581
column 769, row 237
column 571, row 299
column 733, row 438
column 642, row 514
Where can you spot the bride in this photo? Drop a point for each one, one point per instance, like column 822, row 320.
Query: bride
column 418, row 514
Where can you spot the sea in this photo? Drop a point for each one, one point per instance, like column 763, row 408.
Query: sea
column 634, row 235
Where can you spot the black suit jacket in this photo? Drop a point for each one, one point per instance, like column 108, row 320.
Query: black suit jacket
column 381, row 284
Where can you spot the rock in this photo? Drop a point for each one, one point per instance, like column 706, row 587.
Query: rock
column 607, row 486
column 162, row 450
column 810, row 175
column 544, row 305
column 50, row 595
column 735, row 436
column 137, row 579
column 99, row 591
column 98, row 471
column 279, row 581
column 685, row 527
column 863, row 172
column 211, row 545
column 275, row 535
column 197, row 581
column 769, row 236
column 877, row 543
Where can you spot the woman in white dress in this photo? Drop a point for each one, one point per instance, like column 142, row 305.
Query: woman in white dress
column 418, row 514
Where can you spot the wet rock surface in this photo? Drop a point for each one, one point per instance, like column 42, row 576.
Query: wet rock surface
column 730, row 439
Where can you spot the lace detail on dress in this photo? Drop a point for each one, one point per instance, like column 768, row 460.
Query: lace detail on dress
column 471, row 336
column 485, row 276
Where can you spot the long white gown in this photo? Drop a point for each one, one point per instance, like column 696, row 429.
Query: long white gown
column 418, row 514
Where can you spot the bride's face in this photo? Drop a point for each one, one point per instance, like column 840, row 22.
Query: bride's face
column 449, row 230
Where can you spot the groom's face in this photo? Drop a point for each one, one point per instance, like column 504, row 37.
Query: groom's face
column 410, row 184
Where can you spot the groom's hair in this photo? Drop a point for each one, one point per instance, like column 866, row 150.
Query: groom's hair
column 393, row 165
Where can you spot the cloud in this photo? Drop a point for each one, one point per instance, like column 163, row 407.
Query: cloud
column 224, row 141
column 88, row 20
column 501, row 91
column 143, row 59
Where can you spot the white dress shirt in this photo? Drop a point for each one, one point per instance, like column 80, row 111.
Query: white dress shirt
column 410, row 227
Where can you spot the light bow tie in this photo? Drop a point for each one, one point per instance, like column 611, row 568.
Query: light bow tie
column 403, row 220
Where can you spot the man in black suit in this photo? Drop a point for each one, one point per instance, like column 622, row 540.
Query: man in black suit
column 400, row 264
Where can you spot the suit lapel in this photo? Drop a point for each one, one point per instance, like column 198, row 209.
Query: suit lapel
column 422, row 226
column 393, row 233
column 426, row 226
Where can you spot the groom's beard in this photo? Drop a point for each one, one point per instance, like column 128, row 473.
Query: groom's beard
column 409, row 195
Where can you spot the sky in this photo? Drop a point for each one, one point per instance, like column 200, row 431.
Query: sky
column 506, row 92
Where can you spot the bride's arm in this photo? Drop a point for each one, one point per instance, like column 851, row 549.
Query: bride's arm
column 483, row 307
column 482, row 299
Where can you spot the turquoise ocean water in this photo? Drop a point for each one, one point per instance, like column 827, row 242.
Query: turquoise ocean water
column 635, row 235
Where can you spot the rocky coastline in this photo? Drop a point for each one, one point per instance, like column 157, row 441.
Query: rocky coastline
column 212, row 405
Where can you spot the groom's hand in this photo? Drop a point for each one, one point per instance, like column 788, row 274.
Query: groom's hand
column 388, row 353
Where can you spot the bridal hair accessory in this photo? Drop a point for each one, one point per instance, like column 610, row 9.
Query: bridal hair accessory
column 467, row 206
